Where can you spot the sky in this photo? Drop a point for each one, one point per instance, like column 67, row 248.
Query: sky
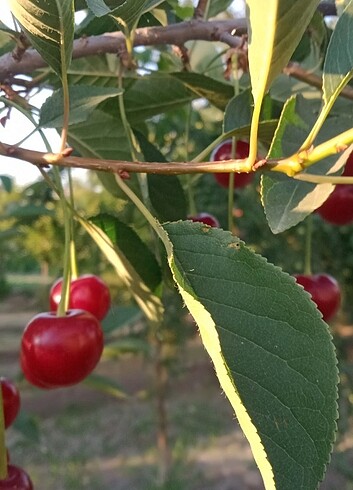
column 18, row 126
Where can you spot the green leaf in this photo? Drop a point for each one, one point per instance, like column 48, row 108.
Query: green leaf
column 105, row 385
column 338, row 66
column 6, row 183
column 50, row 28
column 165, row 191
column 120, row 317
column 155, row 94
column 275, row 28
column 133, row 248
column 217, row 93
column 272, row 352
column 149, row 302
column 128, row 345
column 125, row 12
column 100, row 136
column 288, row 201
column 218, row 7
column 238, row 112
column 83, row 101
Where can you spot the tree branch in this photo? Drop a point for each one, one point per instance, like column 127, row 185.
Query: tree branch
column 174, row 34
column 295, row 71
column 41, row 159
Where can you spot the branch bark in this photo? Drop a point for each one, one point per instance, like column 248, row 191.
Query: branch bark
column 295, row 71
column 174, row 34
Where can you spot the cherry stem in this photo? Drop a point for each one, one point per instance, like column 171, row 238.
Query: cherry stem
column 3, row 454
column 231, row 190
column 74, row 272
column 308, row 245
column 190, row 187
column 65, row 291
column 234, row 65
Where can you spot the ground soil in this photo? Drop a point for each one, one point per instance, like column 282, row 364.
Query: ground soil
column 79, row 438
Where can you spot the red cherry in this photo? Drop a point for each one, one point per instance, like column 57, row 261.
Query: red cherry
column 87, row 292
column 348, row 168
column 206, row 218
column 59, row 351
column 11, row 401
column 338, row 207
column 17, row 479
column 325, row 292
column 224, row 152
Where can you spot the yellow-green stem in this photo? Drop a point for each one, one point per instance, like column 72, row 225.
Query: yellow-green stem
column 66, row 116
column 302, row 160
column 65, row 290
column 3, row 455
column 73, row 261
column 145, row 212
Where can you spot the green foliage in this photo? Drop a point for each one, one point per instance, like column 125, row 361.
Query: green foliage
column 273, row 354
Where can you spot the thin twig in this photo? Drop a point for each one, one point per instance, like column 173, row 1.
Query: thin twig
column 295, row 71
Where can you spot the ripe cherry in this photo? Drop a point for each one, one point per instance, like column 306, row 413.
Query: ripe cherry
column 206, row 218
column 87, row 292
column 325, row 292
column 338, row 207
column 17, row 479
column 59, row 351
column 224, row 152
column 11, row 401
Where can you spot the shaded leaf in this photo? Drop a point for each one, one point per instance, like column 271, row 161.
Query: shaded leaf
column 155, row 94
column 288, row 201
column 128, row 345
column 133, row 248
column 105, row 385
column 83, row 101
column 165, row 191
column 272, row 351
column 6, row 182
column 149, row 303
column 216, row 92
column 50, row 28
column 120, row 317
column 238, row 112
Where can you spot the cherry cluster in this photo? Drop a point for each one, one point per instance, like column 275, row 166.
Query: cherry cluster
column 16, row 478
column 59, row 351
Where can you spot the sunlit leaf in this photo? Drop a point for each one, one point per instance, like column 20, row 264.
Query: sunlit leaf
column 272, row 352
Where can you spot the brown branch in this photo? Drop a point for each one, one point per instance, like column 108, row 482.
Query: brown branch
column 41, row 159
column 200, row 9
column 175, row 34
column 295, row 71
